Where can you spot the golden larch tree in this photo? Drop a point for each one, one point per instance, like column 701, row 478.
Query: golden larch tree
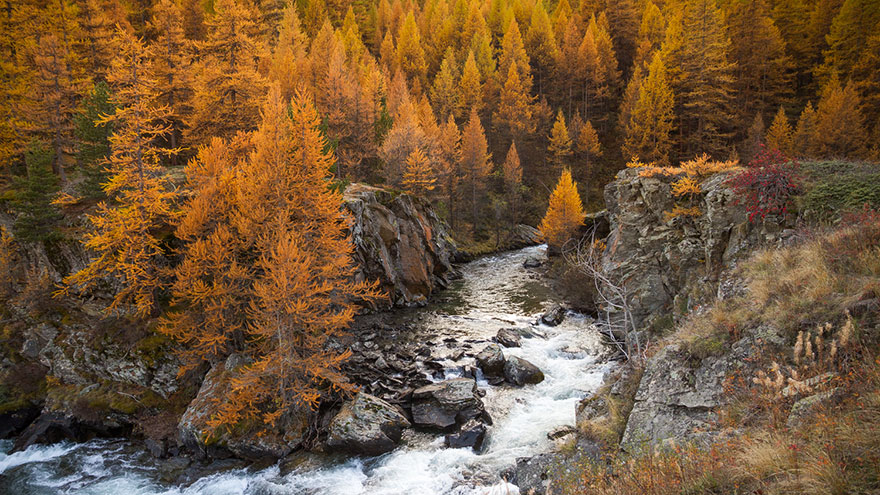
column 227, row 88
column 565, row 213
column 285, row 284
column 779, row 136
column 126, row 235
column 839, row 125
column 419, row 177
column 470, row 85
column 648, row 132
column 560, row 144
column 171, row 55
column 475, row 164
column 804, row 137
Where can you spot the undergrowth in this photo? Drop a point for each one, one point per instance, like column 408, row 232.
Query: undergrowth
column 803, row 417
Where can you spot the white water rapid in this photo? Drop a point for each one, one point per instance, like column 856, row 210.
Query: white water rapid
column 494, row 292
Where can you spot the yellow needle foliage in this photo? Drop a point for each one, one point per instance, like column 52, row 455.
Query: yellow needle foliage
column 126, row 235
column 565, row 213
column 267, row 270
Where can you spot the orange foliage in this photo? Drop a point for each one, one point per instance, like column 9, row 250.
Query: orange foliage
column 267, row 271
column 125, row 235
column 565, row 213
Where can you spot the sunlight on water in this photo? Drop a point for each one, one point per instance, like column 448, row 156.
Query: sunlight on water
column 494, row 292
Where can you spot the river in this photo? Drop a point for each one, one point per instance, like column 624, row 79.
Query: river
column 493, row 292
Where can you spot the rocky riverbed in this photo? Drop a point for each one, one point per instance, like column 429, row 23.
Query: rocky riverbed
column 454, row 396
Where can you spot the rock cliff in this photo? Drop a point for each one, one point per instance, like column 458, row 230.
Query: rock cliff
column 671, row 265
column 400, row 241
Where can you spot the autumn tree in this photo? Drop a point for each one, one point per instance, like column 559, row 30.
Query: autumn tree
column 648, row 131
column 272, row 276
column 779, row 136
column 126, row 234
column 511, row 175
column 448, row 157
column 587, row 144
column 475, row 164
column 410, row 55
column 470, row 85
column 54, row 94
column 513, row 115
column 700, row 74
column 804, row 137
column 419, row 177
column 444, row 92
column 227, row 87
column 560, row 144
column 839, row 126
column 171, row 58
column 565, row 213
column 761, row 65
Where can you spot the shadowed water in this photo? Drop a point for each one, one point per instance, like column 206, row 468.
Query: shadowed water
column 494, row 292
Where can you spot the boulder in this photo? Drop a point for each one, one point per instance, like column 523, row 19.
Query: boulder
column 520, row 372
column 400, row 242
column 533, row 474
column 445, row 404
column 491, row 360
column 508, row 337
column 532, row 262
column 554, row 315
column 366, row 425
column 522, row 236
column 470, row 435
column 249, row 443
column 560, row 432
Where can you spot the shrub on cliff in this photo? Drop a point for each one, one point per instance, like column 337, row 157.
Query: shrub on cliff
column 768, row 185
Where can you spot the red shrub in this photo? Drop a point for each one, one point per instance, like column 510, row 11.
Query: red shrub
column 767, row 185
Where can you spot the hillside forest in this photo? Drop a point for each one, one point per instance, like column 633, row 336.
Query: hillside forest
column 200, row 147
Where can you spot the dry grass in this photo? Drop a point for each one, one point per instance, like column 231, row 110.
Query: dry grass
column 833, row 447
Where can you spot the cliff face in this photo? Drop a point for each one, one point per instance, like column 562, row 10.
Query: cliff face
column 667, row 265
column 400, row 242
column 671, row 268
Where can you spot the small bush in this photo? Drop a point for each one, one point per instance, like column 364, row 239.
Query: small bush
column 768, row 185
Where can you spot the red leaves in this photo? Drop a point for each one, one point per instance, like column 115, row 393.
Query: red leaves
column 768, row 184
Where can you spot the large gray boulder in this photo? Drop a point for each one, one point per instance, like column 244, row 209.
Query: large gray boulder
column 247, row 443
column 445, row 404
column 366, row 425
column 400, row 242
column 520, row 372
column 491, row 360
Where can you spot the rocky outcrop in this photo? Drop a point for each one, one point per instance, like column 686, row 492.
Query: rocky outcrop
column 664, row 263
column 400, row 241
column 366, row 425
column 678, row 401
column 445, row 404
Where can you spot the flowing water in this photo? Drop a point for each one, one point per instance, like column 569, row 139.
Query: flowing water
column 493, row 292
